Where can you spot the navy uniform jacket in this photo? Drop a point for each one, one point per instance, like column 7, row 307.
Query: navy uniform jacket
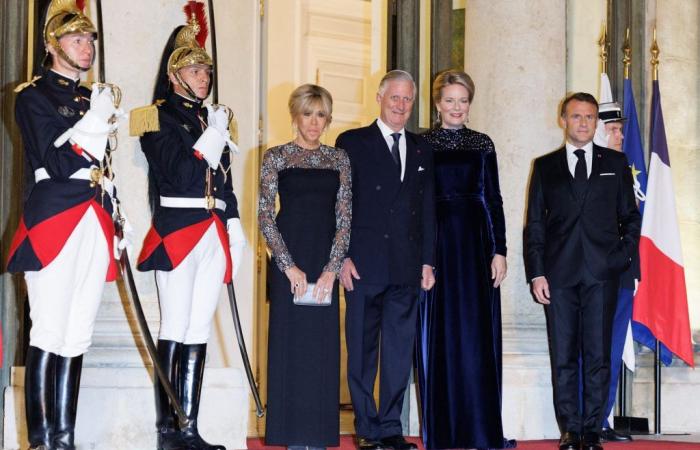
column 175, row 170
column 601, row 230
column 393, row 222
column 44, row 110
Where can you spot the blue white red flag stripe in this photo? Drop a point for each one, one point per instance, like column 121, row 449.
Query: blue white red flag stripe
column 661, row 303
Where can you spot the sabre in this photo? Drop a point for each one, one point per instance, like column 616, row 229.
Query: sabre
column 135, row 302
column 259, row 410
column 124, row 265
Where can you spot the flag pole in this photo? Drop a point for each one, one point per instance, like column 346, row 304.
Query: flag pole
column 657, row 353
column 626, row 62
column 604, row 44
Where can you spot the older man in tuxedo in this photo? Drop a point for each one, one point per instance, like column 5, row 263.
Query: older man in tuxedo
column 390, row 258
column 582, row 232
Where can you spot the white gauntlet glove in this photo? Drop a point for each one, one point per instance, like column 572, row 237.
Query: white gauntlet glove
column 91, row 132
column 236, row 242
column 212, row 142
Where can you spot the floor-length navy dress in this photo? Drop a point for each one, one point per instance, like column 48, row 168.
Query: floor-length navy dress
column 460, row 318
column 311, row 231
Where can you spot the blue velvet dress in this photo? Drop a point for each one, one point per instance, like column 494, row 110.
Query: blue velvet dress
column 460, row 318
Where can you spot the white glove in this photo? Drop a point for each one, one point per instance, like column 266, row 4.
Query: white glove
column 237, row 242
column 127, row 240
column 91, row 132
column 219, row 119
column 212, row 142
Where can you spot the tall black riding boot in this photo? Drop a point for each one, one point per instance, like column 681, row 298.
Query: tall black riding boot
column 169, row 437
column 68, row 372
column 191, row 377
column 39, row 397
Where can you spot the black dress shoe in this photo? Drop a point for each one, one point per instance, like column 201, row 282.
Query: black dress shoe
column 591, row 441
column 368, row 444
column 610, row 435
column 398, row 443
column 570, row 441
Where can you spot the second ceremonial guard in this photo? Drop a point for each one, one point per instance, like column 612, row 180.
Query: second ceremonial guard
column 196, row 240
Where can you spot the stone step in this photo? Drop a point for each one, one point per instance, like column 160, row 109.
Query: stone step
column 116, row 409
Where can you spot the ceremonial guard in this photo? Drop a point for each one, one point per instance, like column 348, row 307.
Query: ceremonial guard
column 65, row 240
column 196, row 231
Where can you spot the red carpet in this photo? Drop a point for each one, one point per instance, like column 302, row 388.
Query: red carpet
column 347, row 443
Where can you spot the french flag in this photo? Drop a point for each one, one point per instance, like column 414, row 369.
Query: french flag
column 661, row 303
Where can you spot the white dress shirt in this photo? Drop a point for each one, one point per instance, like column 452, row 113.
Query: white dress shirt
column 572, row 159
column 387, row 132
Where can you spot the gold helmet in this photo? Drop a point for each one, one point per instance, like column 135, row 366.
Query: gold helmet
column 188, row 50
column 65, row 17
column 189, row 44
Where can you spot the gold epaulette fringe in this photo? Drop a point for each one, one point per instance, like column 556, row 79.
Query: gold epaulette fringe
column 26, row 84
column 144, row 119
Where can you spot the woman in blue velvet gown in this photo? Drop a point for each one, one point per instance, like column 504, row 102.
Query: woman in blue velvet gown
column 460, row 318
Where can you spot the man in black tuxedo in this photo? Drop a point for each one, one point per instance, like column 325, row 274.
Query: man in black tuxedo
column 390, row 258
column 582, row 232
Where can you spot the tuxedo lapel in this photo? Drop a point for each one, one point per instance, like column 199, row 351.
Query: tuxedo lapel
column 411, row 160
column 380, row 151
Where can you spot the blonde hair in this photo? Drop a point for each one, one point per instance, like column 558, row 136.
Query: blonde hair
column 305, row 97
column 450, row 77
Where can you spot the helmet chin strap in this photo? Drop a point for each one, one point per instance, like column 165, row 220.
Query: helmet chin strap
column 188, row 89
column 61, row 53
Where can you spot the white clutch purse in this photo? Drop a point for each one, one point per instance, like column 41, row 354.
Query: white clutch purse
column 308, row 298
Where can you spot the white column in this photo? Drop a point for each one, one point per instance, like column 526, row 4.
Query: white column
column 516, row 54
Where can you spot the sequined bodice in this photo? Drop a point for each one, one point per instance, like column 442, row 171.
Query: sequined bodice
column 309, row 183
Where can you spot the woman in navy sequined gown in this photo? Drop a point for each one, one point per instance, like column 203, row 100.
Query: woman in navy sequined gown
column 460, row 318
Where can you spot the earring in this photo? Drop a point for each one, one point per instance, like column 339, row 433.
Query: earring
column 467, row 121
column 439, row 119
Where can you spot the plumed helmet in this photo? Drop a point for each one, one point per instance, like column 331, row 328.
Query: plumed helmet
column 66, row 17
column 189, row 43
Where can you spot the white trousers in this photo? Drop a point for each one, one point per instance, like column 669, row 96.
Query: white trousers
column 189, row 293
column 65, row 295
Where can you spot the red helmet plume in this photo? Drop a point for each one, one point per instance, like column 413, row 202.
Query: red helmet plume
column 197, row 8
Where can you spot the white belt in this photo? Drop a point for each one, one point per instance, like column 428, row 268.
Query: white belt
column 189, row 202
column 80, row 174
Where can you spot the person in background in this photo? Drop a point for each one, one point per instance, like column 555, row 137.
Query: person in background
column 610, row 114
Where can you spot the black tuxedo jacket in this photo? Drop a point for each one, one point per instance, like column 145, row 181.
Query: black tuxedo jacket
column 393, row 222
column 600, row 230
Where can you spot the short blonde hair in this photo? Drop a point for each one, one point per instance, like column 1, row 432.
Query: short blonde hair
column 450, row 77
column 306, row 96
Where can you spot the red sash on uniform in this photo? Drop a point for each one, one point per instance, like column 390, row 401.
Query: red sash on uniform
column 48, row 237
column 180, row 243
